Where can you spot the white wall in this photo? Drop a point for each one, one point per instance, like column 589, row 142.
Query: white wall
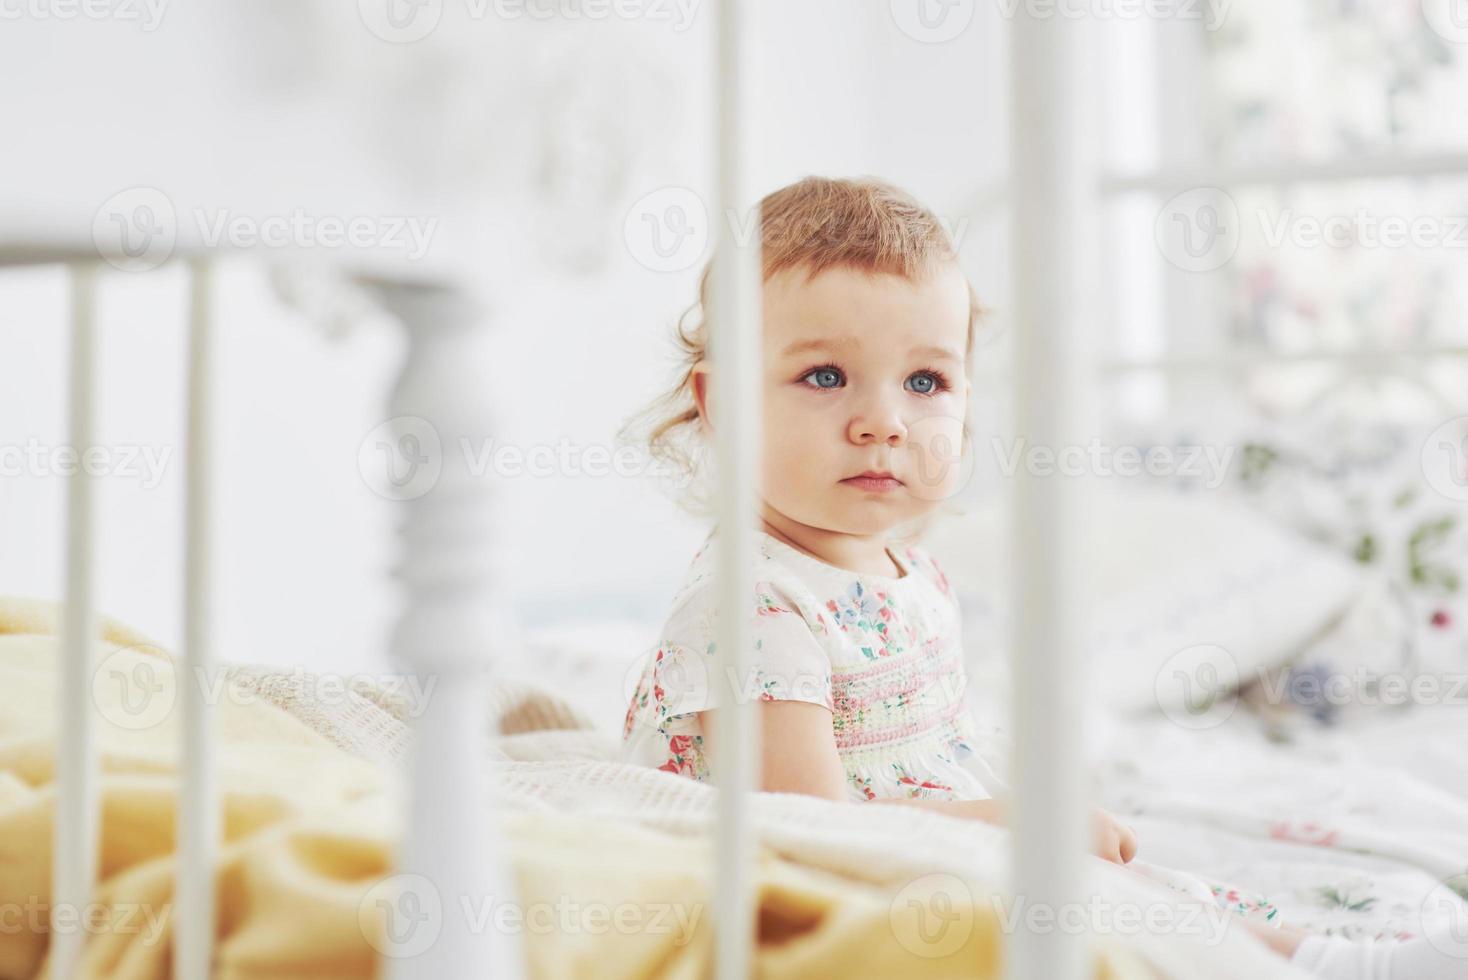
column 528, row 142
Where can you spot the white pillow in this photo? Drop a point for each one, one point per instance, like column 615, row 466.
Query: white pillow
column 1190, row 592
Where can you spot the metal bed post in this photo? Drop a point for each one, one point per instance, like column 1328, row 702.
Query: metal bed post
column 1050, row 183
column 735, row 346
column 198, row 807
column 74, row 861
column 453, row 622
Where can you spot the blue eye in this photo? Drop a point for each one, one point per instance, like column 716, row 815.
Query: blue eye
column 824, row 377
column 926, row 383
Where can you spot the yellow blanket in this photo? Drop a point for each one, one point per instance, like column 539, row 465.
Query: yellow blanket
column 308, row 831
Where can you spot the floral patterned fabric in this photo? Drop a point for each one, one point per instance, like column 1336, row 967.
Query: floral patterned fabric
column 882, row 654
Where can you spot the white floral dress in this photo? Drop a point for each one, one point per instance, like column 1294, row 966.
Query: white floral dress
column 882, row 654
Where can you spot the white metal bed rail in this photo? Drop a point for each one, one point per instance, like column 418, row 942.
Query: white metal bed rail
column 454, row 617
column 77, row 816
column 450, row 572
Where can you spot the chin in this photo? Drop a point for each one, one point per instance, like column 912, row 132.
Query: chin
column 870, row 520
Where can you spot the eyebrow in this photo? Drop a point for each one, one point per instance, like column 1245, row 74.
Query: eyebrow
column 804, row 346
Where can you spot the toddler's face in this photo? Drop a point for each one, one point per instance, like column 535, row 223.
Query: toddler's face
column 862, row 374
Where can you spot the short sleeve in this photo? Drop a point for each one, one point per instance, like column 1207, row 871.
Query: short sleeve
column 787, row 660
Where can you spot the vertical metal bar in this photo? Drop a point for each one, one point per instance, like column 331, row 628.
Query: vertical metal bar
column 735, row 350
column 1049, row 819
column 74, row 866
column 198, row 812
column 455, row 572
column 1193, row 304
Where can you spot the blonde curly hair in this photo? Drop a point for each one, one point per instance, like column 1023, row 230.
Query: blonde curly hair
column 814, row 224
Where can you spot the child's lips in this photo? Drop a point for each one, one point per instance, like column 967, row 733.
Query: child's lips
column 875, row 483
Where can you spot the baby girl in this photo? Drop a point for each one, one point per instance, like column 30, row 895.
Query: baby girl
column 869, row 329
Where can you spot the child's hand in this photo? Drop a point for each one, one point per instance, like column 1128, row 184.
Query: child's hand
column 1115, row 841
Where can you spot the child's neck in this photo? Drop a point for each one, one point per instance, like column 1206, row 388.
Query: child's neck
column 853, row 552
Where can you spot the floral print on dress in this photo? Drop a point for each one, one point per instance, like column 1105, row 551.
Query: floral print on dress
column 665, row 688
column 871, row 616
column 882, row 655
column 790, row 686
column 921, row 787
column 933, row 568
column 765, row 604
column 685, row 757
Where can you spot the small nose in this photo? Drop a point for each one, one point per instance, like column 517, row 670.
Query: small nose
column 881, row 423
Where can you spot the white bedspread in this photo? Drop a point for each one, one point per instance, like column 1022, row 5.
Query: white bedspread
column 1360, row 830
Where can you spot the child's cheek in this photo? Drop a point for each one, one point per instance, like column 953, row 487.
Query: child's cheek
column 937, row 468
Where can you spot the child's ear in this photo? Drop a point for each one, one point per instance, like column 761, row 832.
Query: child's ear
column 699, row 378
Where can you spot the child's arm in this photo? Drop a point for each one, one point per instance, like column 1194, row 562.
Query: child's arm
column 798, row 755
column 797, row 749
